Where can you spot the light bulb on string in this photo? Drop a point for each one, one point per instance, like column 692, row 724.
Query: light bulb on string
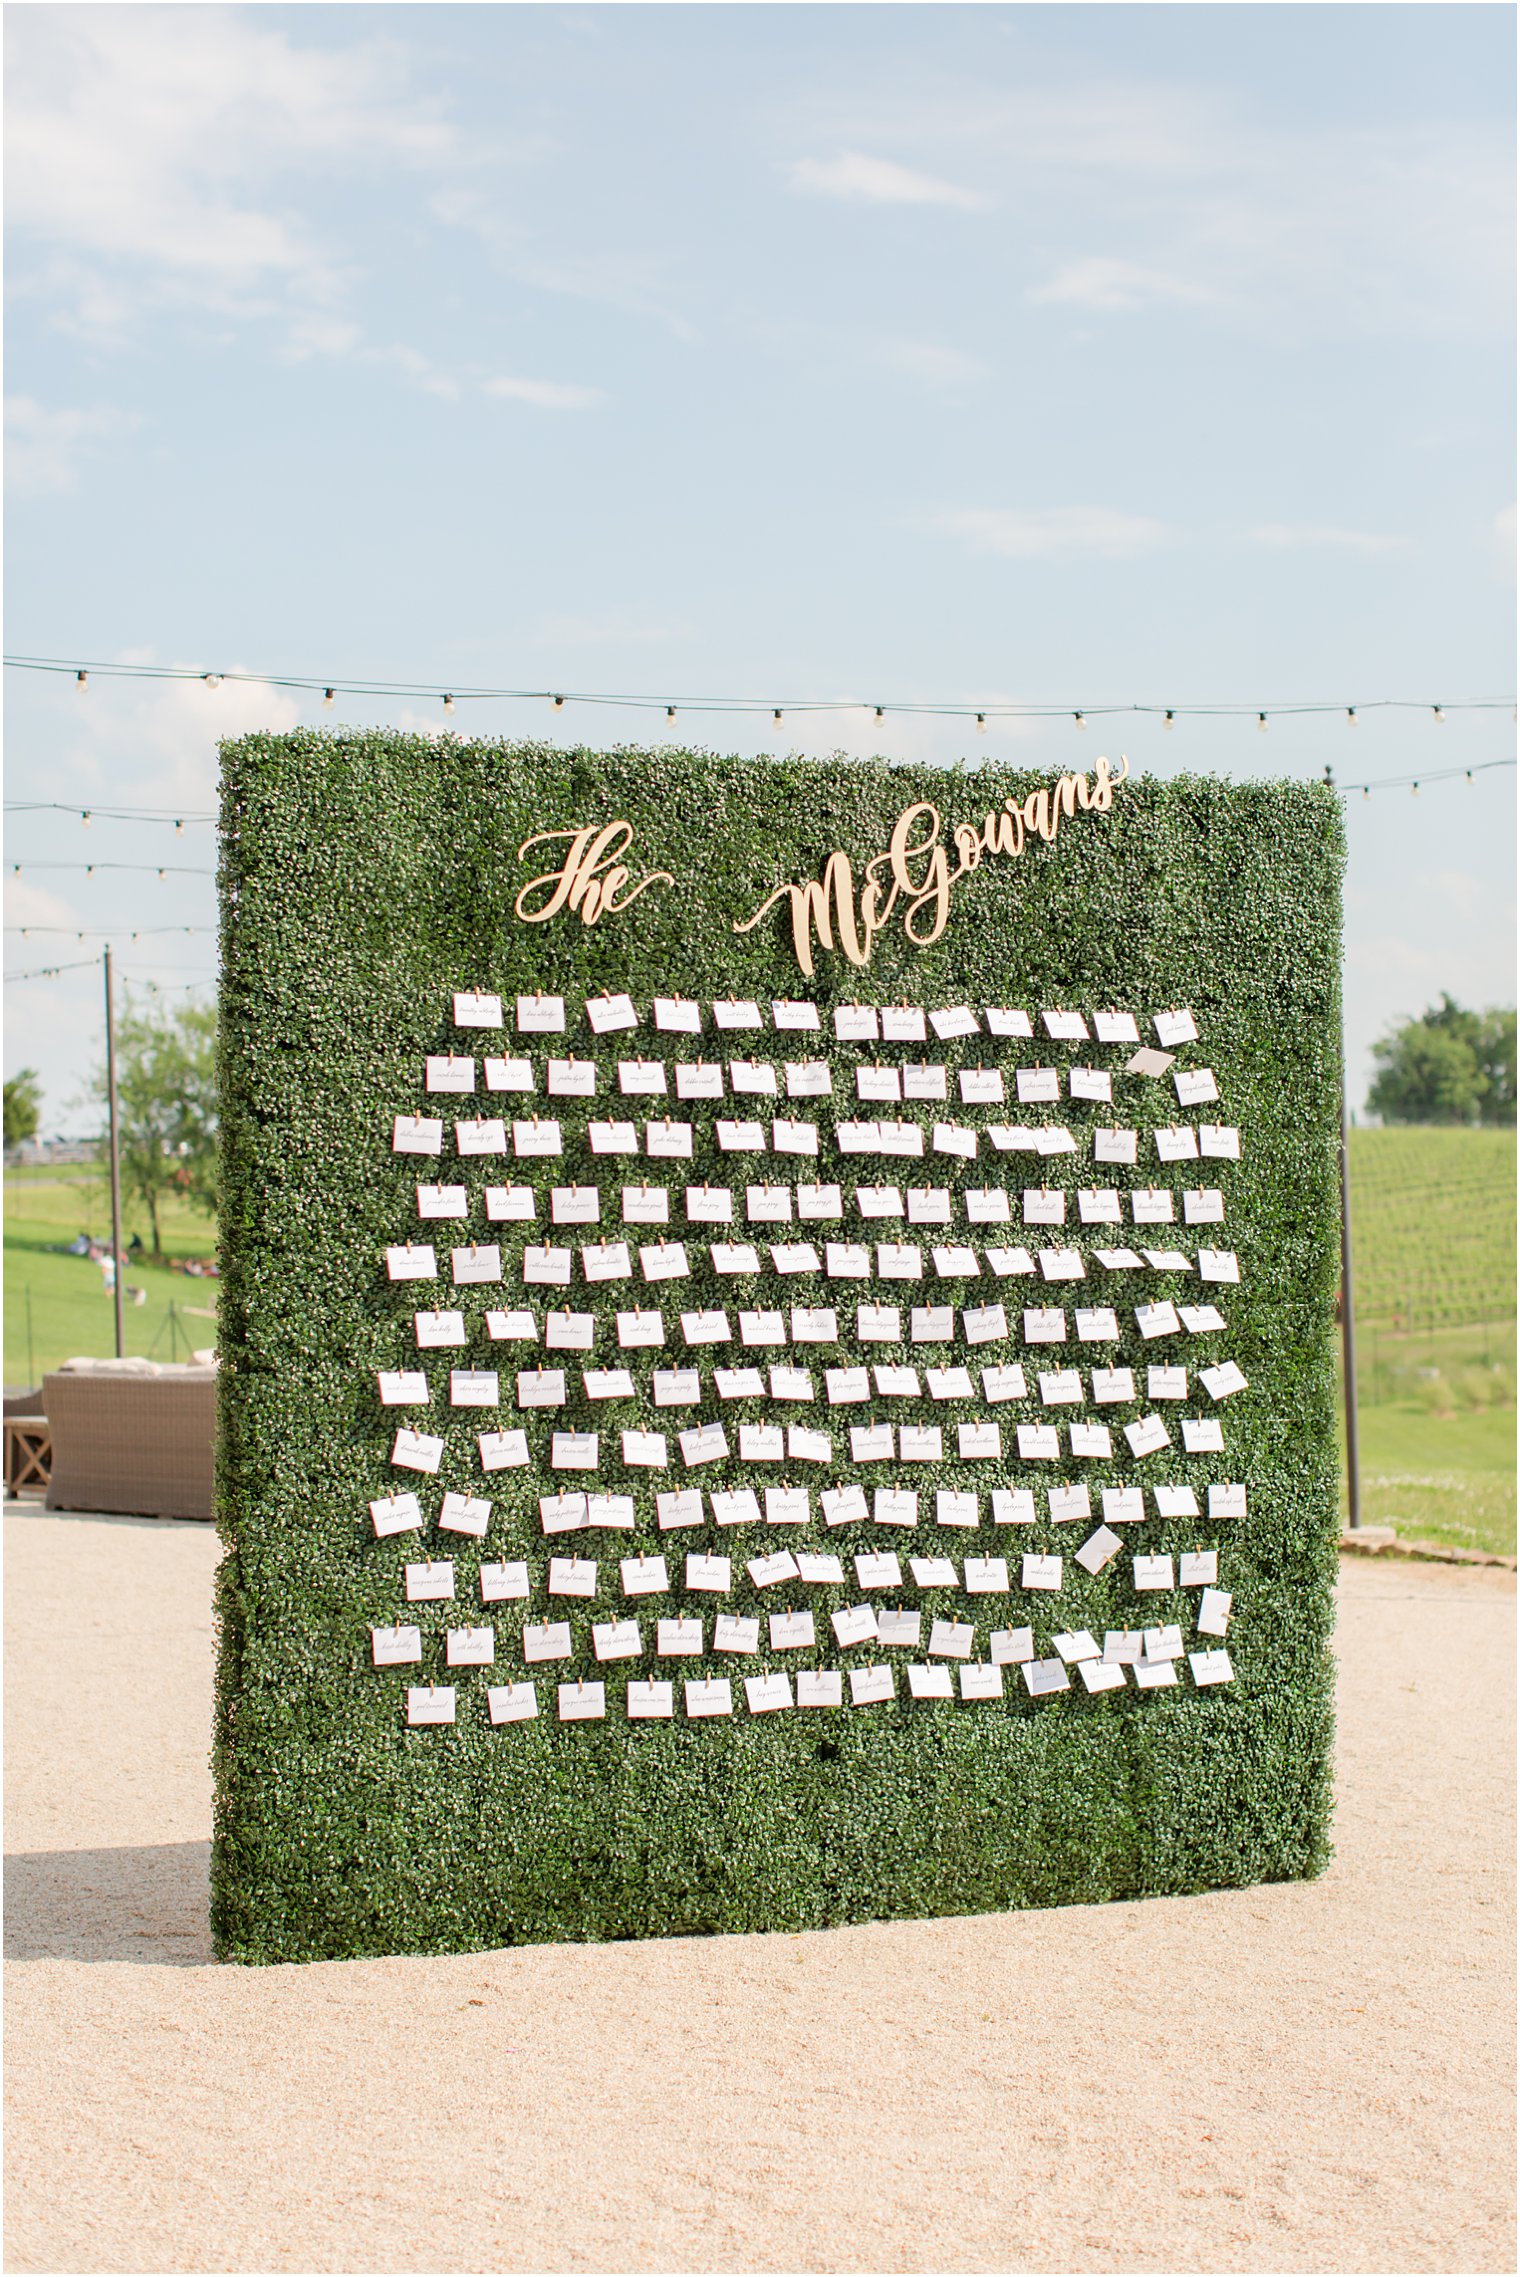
column 85, row 817
column 328, row 695
column 212, row 679
column 775, row 719
column 558, row 702
column 1438, row 716
column 1078, row 720
column 1414, row 790
column 448, row 703
column 179, row 828
column 1169, row 719
column 981, row 723
column 670, row 713
column 1351, row 715
column 880, row 713
column 1469, row 774
column 1261, row 722
column 81, row 679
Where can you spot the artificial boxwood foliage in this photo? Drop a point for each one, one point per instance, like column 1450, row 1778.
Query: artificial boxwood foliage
column 365, row 876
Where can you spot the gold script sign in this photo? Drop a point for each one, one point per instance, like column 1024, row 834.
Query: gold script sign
column 917, row 868
column 590, row 878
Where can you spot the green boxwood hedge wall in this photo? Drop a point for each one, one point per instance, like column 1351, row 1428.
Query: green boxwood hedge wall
column 366, row 875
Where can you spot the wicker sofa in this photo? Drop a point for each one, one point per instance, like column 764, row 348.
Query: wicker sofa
column 132, row 1436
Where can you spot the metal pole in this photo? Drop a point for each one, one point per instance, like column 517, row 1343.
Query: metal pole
column 116, row 1272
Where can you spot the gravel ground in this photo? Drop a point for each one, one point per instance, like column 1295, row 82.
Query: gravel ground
column 1312, row 2077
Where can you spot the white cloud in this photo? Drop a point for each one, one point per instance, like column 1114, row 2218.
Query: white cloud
column 142, row 144
column 1284, row 535
column 878, row 182
column 43, row 447
column 1115, row 285
column 935, row 365
column 548, row 395
column 1051, row 532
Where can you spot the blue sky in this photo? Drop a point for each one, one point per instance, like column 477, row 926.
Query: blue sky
column 1073, row 354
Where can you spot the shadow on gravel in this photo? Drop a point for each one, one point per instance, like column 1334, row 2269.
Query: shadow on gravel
column 148, row 1905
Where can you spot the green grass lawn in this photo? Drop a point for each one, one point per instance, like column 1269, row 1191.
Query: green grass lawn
column 70, row 1313
column 1433, row 1216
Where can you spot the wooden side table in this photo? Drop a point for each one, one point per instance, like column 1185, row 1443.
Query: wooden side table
column 28, row 1452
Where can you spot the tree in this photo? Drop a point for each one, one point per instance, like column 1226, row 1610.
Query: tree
column 1448, row 1066
column 23, row 1106
column 166, row 1108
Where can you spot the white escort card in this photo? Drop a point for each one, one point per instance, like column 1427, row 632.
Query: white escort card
column 504, row 1583
column 895, row 1381
column 999, row 1384
column 664, row 1261
column 667, row 1141
column 928, row 1205
column 616, row 1640
column 761, row 1328
column 878, row 1084
column 792, row 1632
column 706, row 1327
column 1116, row 1146
column 1175, row 1027
column 473, row 1008
column 572, row 1451
column 417, row 1134
column 430, row 1704
column 566, row 1331
column 1099, row 1550
column 1219, row 1142
column 474, row 1387
column 1158, row 1319
column 396, row 1514
column 952, row 1261
column 951, row 1138
column 1223, row 1381
column 537, row 1137
column 933, row 1324
column 582, row 1703
column 677, row 1639
column 512, row 1703
column 1042, row 1677
column 442, row 1202
column 1098, row 1205
column 1153, row 1573
column 753, row 1077
column 1044, row 1325
column 856, row 1023
column 1203, row 1206
column 895, row 1506
column 1068, row 1503
column 546, row 1640
column 1092, row 1439
column 735, row 1257
column 470, row 1648
column 541, row 1387
column 681, row 1508
column 956, row 1020
column 1060, row 1387
column 699, row 1080
column 820, row 1688
column 1198, row 1566
column 650, row 1700
column 869, row 1687
column 641, row 1078
column 403, row 1387
column 395, row 1648
column 924, row 1082
column 571, row 1079
column 1038, row 1086
column 706, row 1443
column 976, row 1442
column 1039, row 1443
column 735, row 1014
column 818, row 1203
column 986, row 1577
column 1091, row 1083
column 1196, row 1086
column 1097, row 1324
column 612, row 1138
column 902, row 1024
column 677, row 1016
column 436, row 1331
column 483, row 1135
column 644, row 1450
column 1004, row 1021
column 787, row 1506
column 511, row 1205
column 411, row 1261
column 512, row 1327
column 1227, row 1501
column 509, row 1074
column 1202, row 1435
column 790, row 1015
column 1147, row 1436
column 843, row 1505
column 608, row 1014
column 449, row 1071
column 814, row 1324
column 1062, row 1265
column 1166, row 1383
column 980, row 1086
column 430, row 1581
column 572, row 1577
column 478, row 1262
column 1115, row 1028
column 1010, row 1261
column 1065, row 1027
column 954, row 1506
column 733, row 1138
column 951, row 1640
